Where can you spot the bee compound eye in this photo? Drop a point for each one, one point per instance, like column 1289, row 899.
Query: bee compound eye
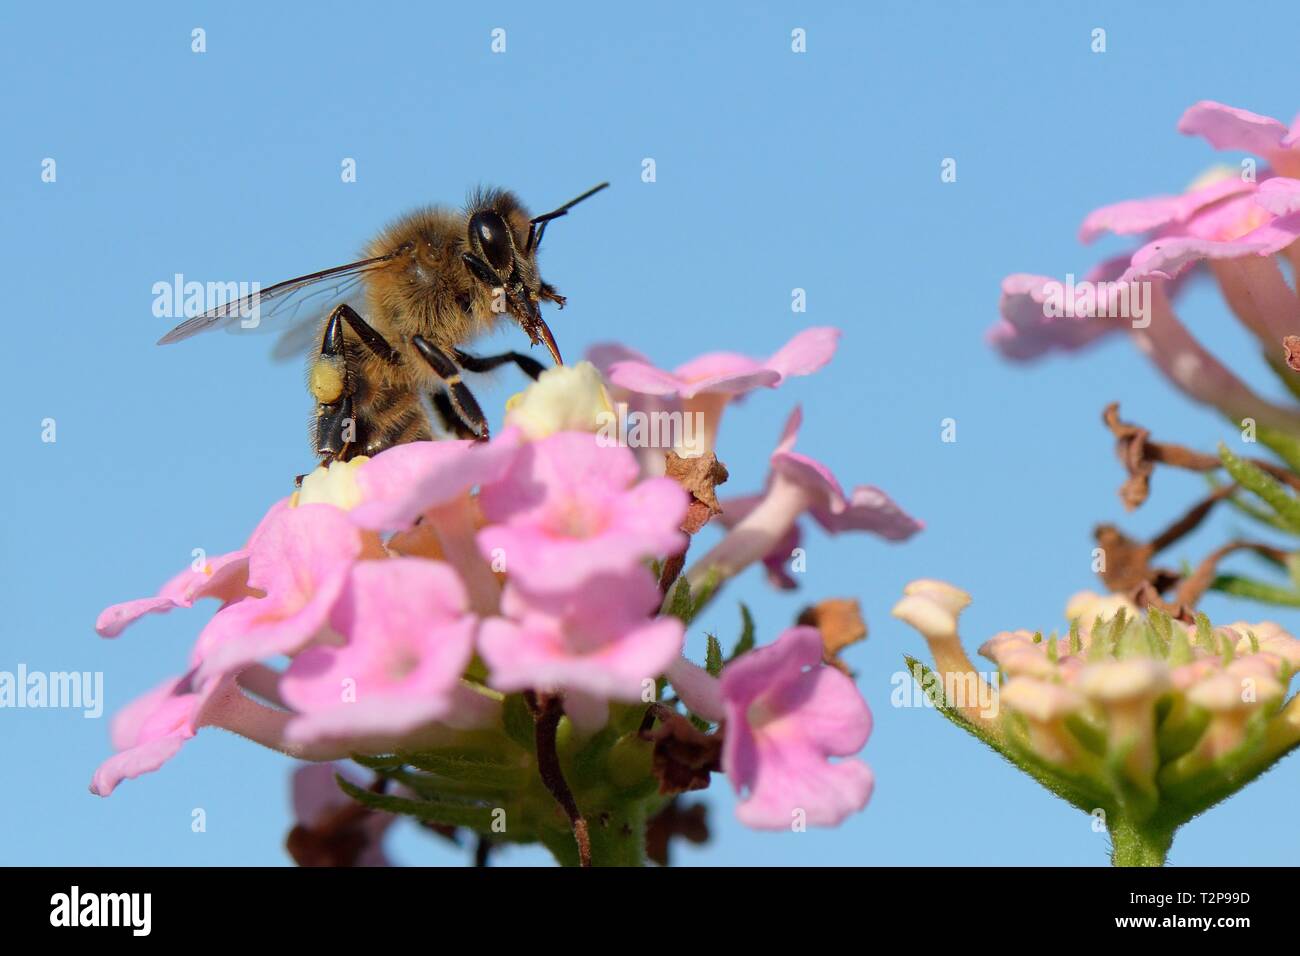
column 489, row 230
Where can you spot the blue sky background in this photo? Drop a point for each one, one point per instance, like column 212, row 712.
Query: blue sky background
column 775, row 171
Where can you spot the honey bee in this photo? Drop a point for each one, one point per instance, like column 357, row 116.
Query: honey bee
column 430, row 282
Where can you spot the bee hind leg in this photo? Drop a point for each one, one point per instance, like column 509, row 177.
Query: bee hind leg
column 330, row 381
column 461, row 399
column 331, row 386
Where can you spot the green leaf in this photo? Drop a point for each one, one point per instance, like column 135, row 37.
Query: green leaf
column 1264, row 485
column 1254, row 512
column 471, row 768
column 713, row 656
column 1256, row 590
column 380, row 762
column 746, row 642
column 446, row 812
column 1283, row 444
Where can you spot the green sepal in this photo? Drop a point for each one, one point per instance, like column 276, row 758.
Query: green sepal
column 1180, row 648
column 680, row 604
column 745, row 643
column 1097, row 649
column 713, row 656
column 1205, row 634
column 1179, row 730
column 1092, row 737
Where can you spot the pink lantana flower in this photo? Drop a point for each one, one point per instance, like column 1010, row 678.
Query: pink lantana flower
column 300, row 562
column 432, row 482
column 785, row 714
column 597, row 643
column 224, row 577
column 408, row 640
column 762, row 527
column 1235, row 225
column 152, row 729
column 704, row 386
column 569, row 509
column 403, row 483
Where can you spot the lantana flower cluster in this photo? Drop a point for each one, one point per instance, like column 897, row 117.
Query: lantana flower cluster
column 1240, row 225
column 1142, row 721
column 496, row 630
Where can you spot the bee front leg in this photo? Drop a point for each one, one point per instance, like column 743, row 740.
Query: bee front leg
column 486, row 363
column 462, row 399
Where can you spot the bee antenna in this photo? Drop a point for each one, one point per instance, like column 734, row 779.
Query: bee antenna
column 562, row 210
column 535, row 235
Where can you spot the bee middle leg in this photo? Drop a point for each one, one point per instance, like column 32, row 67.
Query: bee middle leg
column 331, row 381
column 461, row 399
column 451, row 421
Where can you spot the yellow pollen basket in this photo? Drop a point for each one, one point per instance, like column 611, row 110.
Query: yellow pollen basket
column 326, row 381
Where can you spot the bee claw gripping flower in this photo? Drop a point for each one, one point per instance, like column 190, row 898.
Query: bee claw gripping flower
column 491, row 627
column 1141, row 720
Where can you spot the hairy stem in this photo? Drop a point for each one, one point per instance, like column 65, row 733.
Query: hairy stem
column 1136, row 845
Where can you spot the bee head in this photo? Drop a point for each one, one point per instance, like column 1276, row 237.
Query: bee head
column 502, row 246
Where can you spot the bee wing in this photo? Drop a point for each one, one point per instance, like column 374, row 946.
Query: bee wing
column 298, row 338
column 286, row 299
column 298, row 326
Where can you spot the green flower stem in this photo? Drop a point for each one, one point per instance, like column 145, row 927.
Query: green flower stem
column 1138, row 845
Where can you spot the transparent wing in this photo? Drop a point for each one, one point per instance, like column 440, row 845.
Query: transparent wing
column 299, row 301
column 302, row 331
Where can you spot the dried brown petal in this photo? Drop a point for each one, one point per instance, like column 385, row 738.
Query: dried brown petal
column 690, row 822
column 699, row 475
column 338, row 840
column 1292, row 345
column 841, row 624
column 1131, row 447
column 683, row 755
